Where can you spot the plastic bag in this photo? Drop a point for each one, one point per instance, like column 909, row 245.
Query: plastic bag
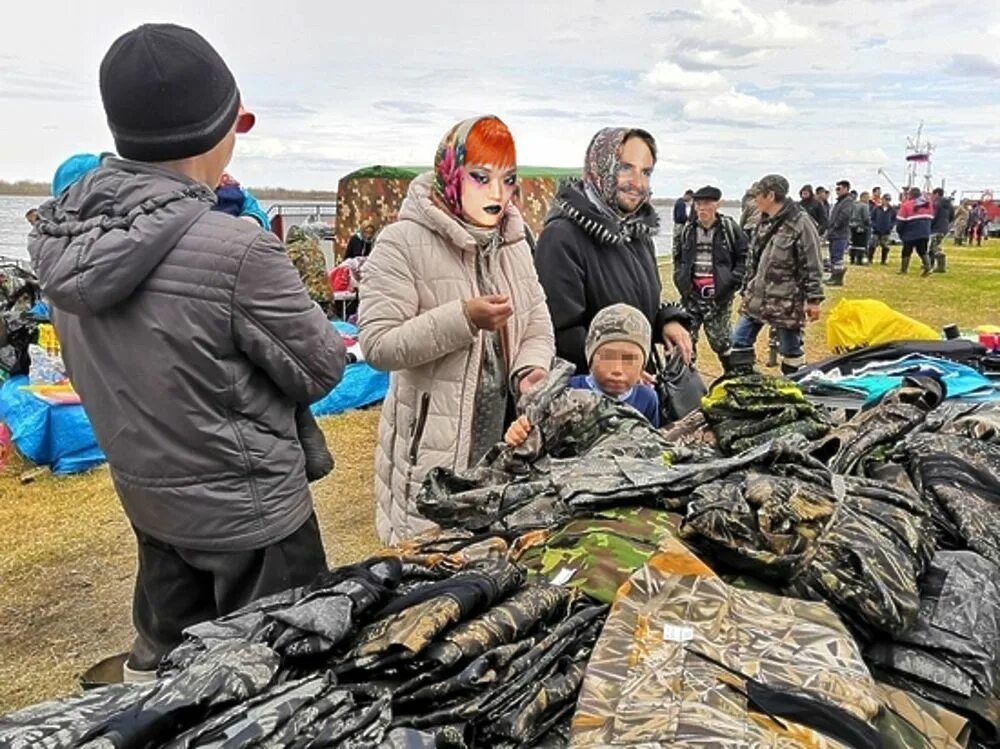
column 45, row 368
column 856, row 323
column 678, row 386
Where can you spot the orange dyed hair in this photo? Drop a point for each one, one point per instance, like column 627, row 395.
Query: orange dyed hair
column 490, row 142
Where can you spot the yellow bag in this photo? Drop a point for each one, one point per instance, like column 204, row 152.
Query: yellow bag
column 48, row 339
column 855, row 323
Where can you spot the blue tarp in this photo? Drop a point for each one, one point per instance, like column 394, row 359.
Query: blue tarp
column 360, row 387
column 61, row 436
column 57, row 436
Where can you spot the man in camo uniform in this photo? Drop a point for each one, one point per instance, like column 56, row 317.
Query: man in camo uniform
column 785, row 280
column 710, row 256
column 306, row 256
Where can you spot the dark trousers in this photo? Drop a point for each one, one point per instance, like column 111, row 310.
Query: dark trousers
column 916, row 245
column 176, row 587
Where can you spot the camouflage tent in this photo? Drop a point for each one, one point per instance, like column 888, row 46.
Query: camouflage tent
column 375, row 194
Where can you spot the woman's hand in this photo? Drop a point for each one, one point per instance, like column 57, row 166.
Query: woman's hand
column 518, row 432
column 676, row 335
column 529, row 379
column 488, row 312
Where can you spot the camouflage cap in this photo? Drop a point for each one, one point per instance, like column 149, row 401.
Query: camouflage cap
column 771, row 183
column 619, row 322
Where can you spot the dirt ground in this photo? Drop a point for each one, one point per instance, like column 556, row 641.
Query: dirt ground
column 68, row 559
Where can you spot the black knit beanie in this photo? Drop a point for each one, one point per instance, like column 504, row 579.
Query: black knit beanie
column 167, row 93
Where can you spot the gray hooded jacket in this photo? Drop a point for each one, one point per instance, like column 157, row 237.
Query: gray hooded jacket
column 190, row 338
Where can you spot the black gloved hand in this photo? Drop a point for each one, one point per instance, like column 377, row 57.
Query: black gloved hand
column 319, row 460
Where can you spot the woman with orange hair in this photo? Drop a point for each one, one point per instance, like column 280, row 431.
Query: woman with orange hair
column 452, row 307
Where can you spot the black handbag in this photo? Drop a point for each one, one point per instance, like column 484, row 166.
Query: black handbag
column 678, row 386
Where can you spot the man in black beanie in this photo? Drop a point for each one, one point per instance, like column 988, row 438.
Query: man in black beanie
column 191, row 340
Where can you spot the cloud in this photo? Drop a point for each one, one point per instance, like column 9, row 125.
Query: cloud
column 707, row 55
column 674, row 16
column 670, row 78
column 972, row 66
column 554, row 113
column 776, row 28
column 733, row 107
column 403, row 107
column 865, row 156
column 801, row 94
column 872, row 42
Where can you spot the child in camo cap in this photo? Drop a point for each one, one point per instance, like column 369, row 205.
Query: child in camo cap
column 617, row 348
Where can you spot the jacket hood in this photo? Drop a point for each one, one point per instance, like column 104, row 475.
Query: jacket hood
column 420, row 207
column 95, row 244
column 572, row 202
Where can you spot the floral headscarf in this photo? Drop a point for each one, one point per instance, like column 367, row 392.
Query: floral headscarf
column 600, row 167
column 449, row 164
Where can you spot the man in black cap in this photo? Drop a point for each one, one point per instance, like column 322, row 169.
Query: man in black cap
column 191, row 340
column 710, row 256
column 784, row 286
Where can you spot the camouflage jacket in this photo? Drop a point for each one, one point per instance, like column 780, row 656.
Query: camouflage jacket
column 859, row 544
column 751, row 410
column 961, row 475
column 786, row 269
column 306, row 256
column 596, row 555
column 950, row 655
column 676, row 652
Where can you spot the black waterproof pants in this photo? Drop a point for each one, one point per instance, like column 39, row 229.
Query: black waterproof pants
column 177, row 587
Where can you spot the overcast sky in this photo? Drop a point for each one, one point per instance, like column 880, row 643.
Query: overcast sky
column 731, row 89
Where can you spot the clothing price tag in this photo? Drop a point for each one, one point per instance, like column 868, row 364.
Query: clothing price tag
column 563, row 576
column 678, row 632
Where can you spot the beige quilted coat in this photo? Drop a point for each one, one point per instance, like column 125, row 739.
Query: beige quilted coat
column 412, row 324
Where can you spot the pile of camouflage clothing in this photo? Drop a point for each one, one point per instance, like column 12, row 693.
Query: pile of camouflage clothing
column 860, row 516
column 776, row 577
column 383, row 653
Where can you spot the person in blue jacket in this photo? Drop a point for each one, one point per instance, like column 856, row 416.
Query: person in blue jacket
column 883, row 219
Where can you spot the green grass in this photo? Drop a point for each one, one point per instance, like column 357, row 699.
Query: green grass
column 68, row 559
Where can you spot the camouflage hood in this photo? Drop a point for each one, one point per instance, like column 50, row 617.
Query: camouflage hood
column 97, row 242
column 420, row 207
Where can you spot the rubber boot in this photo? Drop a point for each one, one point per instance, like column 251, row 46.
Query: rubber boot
column 940, row 263
column 871, row 255
column 837, row 276
column 925, row 264
column 789, row 369
column 742, row 361
column 854, row 257
column 904, row 266
column 885, row 255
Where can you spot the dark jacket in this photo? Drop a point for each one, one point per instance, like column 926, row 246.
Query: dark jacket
column 840, row 218
column 357, row 246
column 944, row 214
column 587, row 261
column 861, row 216
column 680, row 211
column 913, row 222
column 815, row 210
column 787, row 269
column 729, row 257
column 190, row 338
column 883, row 219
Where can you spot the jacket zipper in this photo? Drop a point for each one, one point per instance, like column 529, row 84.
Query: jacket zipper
column 419, row 424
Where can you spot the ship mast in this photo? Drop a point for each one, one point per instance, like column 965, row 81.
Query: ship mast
column 918, row 157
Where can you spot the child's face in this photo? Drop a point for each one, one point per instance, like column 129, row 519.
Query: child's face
column 617, row 366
